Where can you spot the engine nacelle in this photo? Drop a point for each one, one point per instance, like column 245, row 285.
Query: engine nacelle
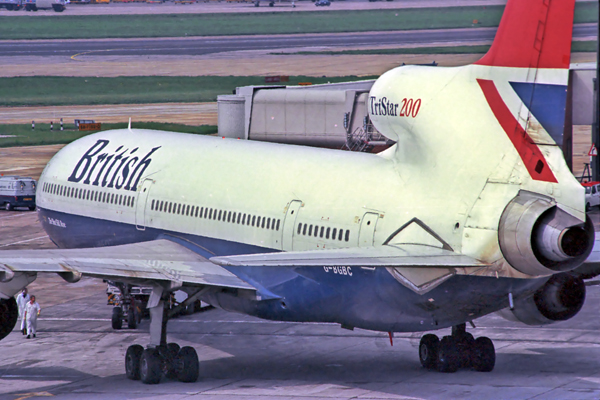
column 9, row 314
column 559, row 299
column 538, row 238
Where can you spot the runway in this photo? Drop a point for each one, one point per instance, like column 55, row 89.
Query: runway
column 195, row 46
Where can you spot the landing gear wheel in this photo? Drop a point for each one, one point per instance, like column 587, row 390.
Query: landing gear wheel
column 8, row 207
column 447, row 355
column 484, row 358
column 150, row 367
column 9, row 313
column 131, row 319
column 171, row 361
column 189, row 365
column 428, row 351
column 464, row 346
column 117, row 318
column 132, row 361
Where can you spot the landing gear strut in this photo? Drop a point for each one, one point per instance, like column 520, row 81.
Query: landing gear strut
column 459, row 350
column 160, row 358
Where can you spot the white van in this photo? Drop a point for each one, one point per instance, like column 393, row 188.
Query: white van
column 17, row 191
column 592, row 194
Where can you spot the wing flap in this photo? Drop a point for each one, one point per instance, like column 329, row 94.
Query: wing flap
column 158, row 260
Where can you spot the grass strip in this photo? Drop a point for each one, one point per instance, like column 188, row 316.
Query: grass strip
column 577, row 47
column 22, row 135
column 180, row 25
column 55, row 90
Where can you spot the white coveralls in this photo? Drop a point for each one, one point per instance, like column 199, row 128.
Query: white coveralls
column 31, row 314
column 21, row 303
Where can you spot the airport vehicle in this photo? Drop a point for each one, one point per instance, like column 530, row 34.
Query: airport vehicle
column 592, row 194
column 322, row 3
column 56, row 5
column 472, row 211
column 129, row 303
column 11, row 5
column 17, row 191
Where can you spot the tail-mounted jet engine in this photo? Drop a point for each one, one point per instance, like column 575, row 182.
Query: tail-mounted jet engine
column 538, row 238
column 559, row 299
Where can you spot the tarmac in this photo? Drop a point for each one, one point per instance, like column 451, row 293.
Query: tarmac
column 77, row 355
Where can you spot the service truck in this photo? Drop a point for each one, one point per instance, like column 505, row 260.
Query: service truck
column 12, row 5
column 17, row 191
column 56, row 5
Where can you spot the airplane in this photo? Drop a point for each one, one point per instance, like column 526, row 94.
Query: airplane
column 472, row 211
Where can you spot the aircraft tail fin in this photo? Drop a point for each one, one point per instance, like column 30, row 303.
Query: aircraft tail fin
column 533, row 34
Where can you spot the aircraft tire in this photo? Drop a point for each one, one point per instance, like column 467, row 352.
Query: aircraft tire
column 150, row 371
column 189, row 365
column 132, row 362
column 172, row 365
column 131, row 318
column 117, row 318
column 465, row 346
column 484, row 358
column 428, row 351
column 448, row 355
column 9, row 313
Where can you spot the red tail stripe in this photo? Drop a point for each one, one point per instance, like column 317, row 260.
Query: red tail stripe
column 530, row 153
column 533, row 34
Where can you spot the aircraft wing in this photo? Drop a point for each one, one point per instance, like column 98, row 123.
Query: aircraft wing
column 420, row 268
column 407, row 255
column 158, row 260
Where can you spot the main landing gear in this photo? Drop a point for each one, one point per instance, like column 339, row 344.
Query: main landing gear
column 161, row 358
column 459, row 350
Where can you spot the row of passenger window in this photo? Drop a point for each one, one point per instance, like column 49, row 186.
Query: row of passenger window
column 218, row 215
column 321, row 231
column 88, row 194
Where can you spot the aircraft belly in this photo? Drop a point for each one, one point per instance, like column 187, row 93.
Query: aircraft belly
column 369, row 298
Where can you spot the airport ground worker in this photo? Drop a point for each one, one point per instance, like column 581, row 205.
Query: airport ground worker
column 32, row 310
column 22, row 300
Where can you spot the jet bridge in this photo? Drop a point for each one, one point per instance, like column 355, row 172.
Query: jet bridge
column 330, row 115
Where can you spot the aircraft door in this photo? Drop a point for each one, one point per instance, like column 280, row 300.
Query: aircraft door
column 140, row 208
column 366, row 235
column 287, row 234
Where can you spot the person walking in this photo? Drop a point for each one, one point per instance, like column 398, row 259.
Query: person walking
column 32, row 310
column 22, row 300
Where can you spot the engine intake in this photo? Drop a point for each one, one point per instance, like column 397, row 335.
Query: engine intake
column 538, row 238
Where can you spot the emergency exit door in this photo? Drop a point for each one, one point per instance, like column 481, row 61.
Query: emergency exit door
column 141, row 204
column 287, row 234
column 368, row 225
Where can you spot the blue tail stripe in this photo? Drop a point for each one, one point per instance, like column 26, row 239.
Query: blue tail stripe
column 547, row 103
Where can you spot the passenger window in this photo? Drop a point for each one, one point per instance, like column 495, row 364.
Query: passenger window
column 268, row 223
column 309, row 231
column 239, row 218
column 197, row 211
column 277, row 224
column 262, row 225
column 300, row 228
column 253, row 219
column 121, row 199
column 340, row 235
column 316, row 231
column 152, row 206
column 322, row 231
column 229, row 216
column 112, row 198
column 132, row 201
column 333, row 234
column 347, row 235
column 244, row 219
column 327, row 233
column 221, row 215
column 169, row 207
